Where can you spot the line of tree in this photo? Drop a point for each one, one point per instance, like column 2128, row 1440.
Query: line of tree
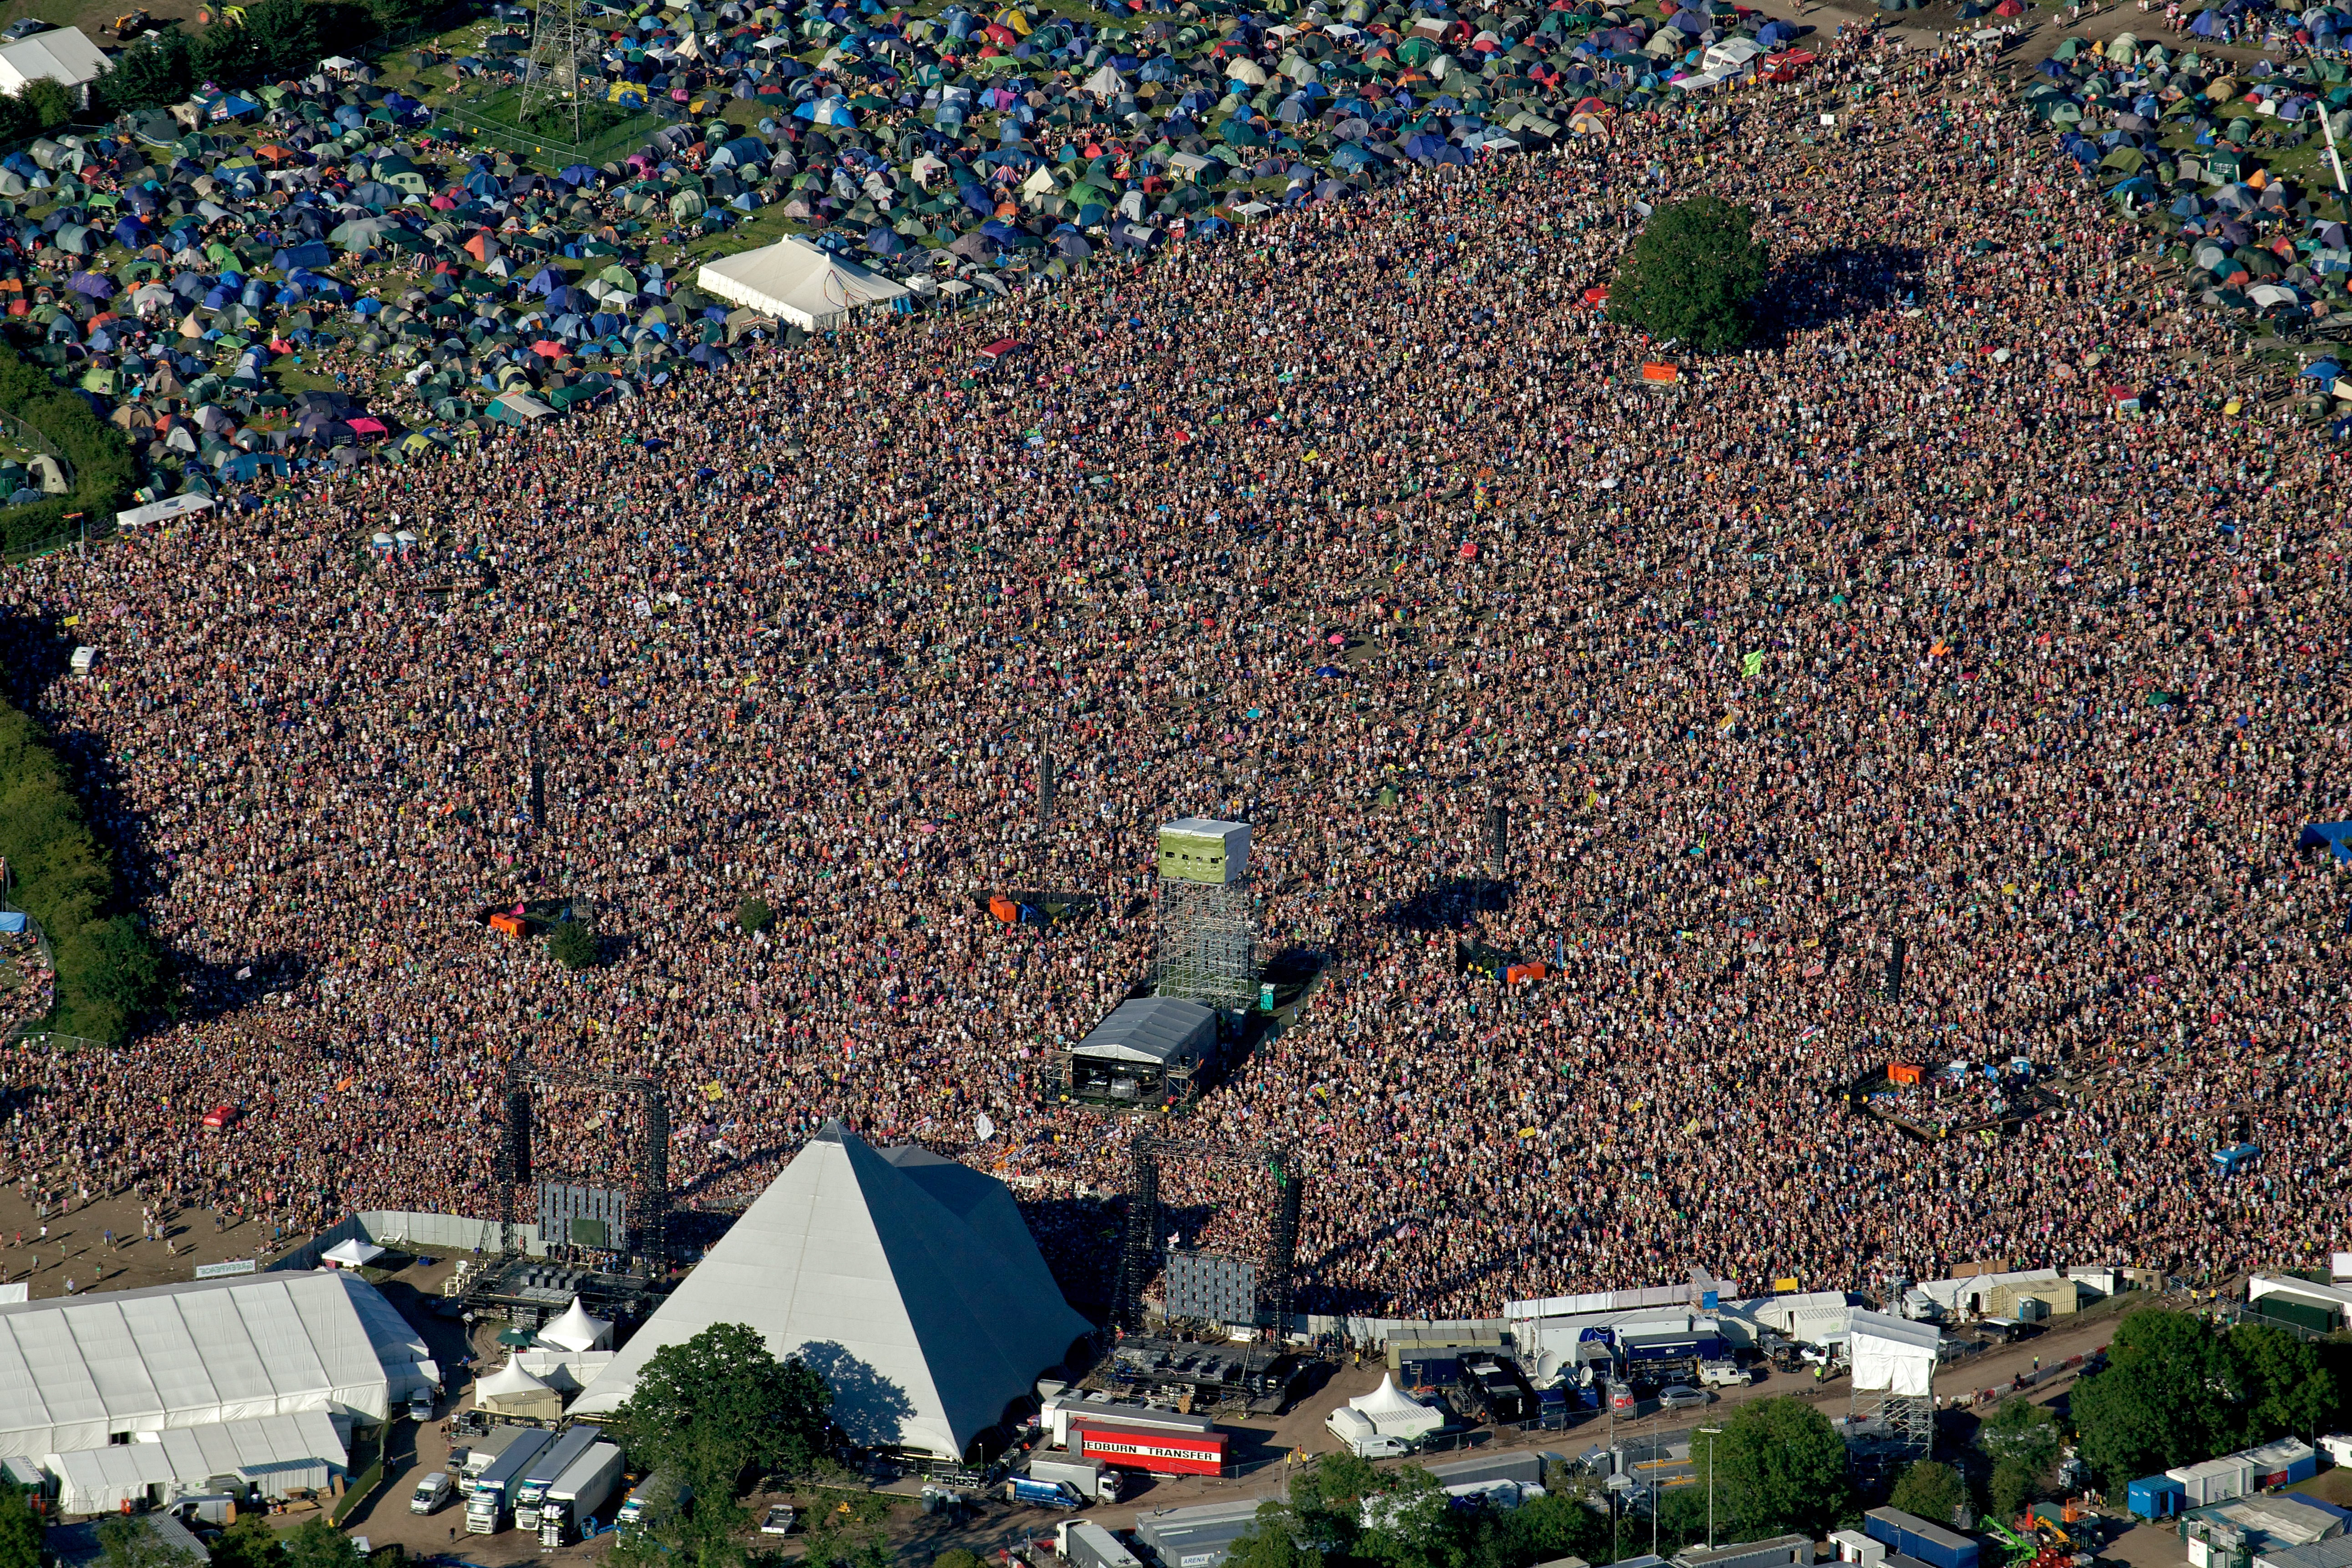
column 1774, row 1467
column 2178, row 1390
column 101, row 459
column 277, row 41
column 108, row 973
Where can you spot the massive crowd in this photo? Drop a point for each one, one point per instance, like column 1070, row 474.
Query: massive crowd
column 1890, row 629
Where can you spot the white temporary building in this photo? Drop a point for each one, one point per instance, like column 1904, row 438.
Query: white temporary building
column 87, row 1372
column 577, row 1330
column 1893, row 1354
column 62, row 55
column 909, row 1282
column 796, row 280
column 278, row 1455
column 1393, row 1412
column 351, row 1253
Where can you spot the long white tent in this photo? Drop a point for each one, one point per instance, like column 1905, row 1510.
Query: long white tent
column 796, row 280
column 278, row 1454
column 909, row 1282
column 81, row 1371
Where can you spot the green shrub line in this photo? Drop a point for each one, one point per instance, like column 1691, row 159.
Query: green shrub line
column 96, row 451
column 108, row 973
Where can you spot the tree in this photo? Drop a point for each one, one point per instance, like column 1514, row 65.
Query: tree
column 2169, row 1395
column 1781, row 1466
column 849, row 1535
column 711, row 1408
column 1694, row 275
column 1272, row 1541
column 956, row 1557
column 754, row 915
column 20, row 1531
column 2011, row 1487
column 248, row 1543
column 2289, row 1386
column 151, row 72
column 573, row 944
column 129, row 1541
column 1930, row 1491
column 315, row 1543
column 2025, row 1434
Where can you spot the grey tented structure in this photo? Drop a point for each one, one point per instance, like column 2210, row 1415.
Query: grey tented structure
column 1147, row 1048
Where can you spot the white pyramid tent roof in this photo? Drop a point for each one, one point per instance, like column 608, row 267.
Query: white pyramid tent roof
column 577, row 1330
column 1395, row 1412
column 1387, row 1399
column 908, row 1282
column 507, row 1382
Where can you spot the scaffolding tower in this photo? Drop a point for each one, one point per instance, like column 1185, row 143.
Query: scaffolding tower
column 564, row 63
column 1893, row 1390
column 1141, row 1250
column 1207, row 944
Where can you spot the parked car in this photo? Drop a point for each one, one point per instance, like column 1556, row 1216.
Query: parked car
column 420, row 1409
column 1682, row 1397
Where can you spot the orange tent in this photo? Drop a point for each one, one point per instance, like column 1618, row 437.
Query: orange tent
column 507, row 923
column 1003, row 909
column 1902, row 1072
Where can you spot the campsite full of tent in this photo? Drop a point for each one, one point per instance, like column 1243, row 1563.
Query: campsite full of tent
column 2247, row 240
column 174, row 268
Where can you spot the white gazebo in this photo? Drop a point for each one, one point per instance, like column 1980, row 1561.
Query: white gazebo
column 1393, row 1412
column 577, row 1330
column 351, row 1253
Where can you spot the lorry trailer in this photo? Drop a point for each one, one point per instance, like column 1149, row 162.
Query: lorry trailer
column 485, row 1505
column 541, row 1472
column 579, row 1494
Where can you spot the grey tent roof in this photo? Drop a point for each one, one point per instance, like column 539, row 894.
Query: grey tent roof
column 915, row 1290
column 1160, row 1029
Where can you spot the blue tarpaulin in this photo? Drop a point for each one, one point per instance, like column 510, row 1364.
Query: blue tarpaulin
column 11, row 924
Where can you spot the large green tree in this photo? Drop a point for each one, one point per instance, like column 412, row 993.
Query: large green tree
column 1780, row 1466
column 315, row 1543
column 129, row 1541
column 713, row 1408
column 2170, row 1395
column 1694, row 275
column 248, row 1543
column 20, row 1531
column 2290, row 1385
column 1930, row 1491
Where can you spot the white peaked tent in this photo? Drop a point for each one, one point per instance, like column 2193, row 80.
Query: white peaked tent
column 507, row 1382
column 1893, row 1354
column 796, row 280
column 351, row 1253
column 909, row 1282
column 1393, row 1412
column 577, row 1330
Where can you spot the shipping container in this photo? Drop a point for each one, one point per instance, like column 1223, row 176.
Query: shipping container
column 1085, row 1545
column 1160, row 1452
column 2215, row 1480
column 2155, row 1497
column 1915, row 1537
column 2282, row 1463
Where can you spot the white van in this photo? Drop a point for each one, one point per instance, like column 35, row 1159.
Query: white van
column 431, row 1493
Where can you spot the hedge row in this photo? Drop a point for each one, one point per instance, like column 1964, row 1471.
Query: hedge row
column 108, row 973
column 100, row 457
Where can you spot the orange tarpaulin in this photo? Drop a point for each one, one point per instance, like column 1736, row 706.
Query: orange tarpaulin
column 1902, row 1072
column 1003, row 909
column 507, row 923
column 1661, row 372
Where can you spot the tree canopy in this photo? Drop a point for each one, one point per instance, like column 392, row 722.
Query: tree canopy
column 1779, row 1465
column 714, row 1409
column 1931, row 1491
column 1325, row 1523
column 2176, row 1391
column 1696, row 269
column 20, row 1531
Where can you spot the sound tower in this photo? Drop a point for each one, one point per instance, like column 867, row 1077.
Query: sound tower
column 1498, row 832
column 1894, row 971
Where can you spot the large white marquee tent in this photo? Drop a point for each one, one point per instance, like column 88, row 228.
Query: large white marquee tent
column 795, row 280
column 910, row 1281
column 84, row 1372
